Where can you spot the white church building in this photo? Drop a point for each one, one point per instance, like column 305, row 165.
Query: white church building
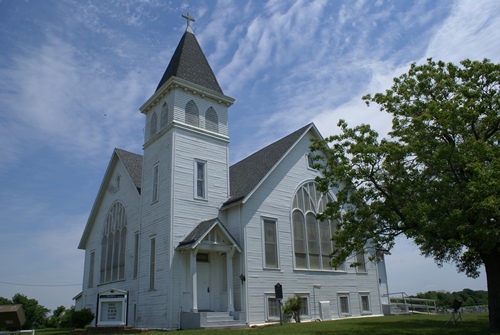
column 177, row 238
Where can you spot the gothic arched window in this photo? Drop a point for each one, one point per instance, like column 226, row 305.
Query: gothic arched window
column 311, row 238
column 192, row 114
column 211, row 120
column 164, row 116
column 153, row 125
column 113, row 245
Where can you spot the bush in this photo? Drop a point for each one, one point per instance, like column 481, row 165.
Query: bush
column 82, row 318
column 77, row 319
column 291, row 307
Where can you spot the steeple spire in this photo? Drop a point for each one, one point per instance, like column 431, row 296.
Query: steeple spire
column 189, row 63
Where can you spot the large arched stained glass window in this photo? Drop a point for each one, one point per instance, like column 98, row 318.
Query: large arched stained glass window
column 312, row 238
column 113, row 245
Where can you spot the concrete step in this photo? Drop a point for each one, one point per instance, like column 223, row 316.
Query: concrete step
column 219, row 320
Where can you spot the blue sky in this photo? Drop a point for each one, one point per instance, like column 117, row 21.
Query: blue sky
column 73, row 74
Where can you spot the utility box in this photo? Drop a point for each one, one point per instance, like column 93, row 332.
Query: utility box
column 12, row 316
column 324, row 310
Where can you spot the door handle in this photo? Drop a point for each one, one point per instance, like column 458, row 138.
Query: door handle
column 208, row 289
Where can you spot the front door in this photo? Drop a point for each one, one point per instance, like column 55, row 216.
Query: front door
column 203, row 275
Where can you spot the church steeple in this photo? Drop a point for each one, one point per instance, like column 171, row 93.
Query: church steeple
column 189, row 63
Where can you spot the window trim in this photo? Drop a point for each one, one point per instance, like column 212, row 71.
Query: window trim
column 136, row 255
column 152, row 262
column 113, row 245
column 212, row 125
column 307, row 200
column 361, row 306
column 360, row 258
column 267, row 298
column 197, row 163
column 155, row 183
column 90, row 283
column 164, row 116
column 265, row 219
column 192, row 114
column 153, row 125
column 117, row 182
column 339, row 299
column 310, row 161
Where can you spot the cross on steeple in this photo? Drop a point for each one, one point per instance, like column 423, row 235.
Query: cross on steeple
column 189, row 19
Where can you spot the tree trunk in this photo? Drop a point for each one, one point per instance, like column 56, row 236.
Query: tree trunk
column 492, row 267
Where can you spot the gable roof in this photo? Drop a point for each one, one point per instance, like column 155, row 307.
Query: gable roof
column 194, row 238
column 247, row 173
column 245, row 176
column 133, row 164
column 189, row 63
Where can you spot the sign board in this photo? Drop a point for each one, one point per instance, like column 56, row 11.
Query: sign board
column 278, row 291
column 112, row 308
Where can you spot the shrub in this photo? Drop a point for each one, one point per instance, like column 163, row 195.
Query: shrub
column 82, row 317
column 291, row 307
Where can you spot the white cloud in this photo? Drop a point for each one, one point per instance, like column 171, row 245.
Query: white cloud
column 67, row 105
column 471, row 31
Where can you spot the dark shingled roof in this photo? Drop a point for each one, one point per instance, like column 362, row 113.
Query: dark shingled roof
column 196, row 234
column 189, row 63
column 244, row 175
column 133, row 164
column 247, row 173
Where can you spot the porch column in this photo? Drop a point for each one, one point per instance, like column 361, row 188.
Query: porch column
column 229, row 266
column 194, row 280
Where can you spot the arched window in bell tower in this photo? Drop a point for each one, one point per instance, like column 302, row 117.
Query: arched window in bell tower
column 192, row 114
column 153, row 125
column 212, row 120
column 164, row 116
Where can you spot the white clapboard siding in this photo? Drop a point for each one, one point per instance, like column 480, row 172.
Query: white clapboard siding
column 174, row 149
column 273, row 199
column 128, row 195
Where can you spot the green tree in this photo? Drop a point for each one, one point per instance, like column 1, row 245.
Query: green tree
column 445, row 299
column 67, row 318
column 5, row 301
column 434, row 179
column 36, row 314
column 54, row 321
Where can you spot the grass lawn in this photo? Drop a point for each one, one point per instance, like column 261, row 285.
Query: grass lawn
column 476, row 323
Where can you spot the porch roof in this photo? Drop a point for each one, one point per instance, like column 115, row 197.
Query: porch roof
column 194, row 238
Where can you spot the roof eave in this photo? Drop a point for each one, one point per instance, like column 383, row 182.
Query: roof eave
column 100, row 194
column 193, row 244
column 179, row 83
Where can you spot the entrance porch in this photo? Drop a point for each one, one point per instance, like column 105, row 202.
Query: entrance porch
column 210, row 281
